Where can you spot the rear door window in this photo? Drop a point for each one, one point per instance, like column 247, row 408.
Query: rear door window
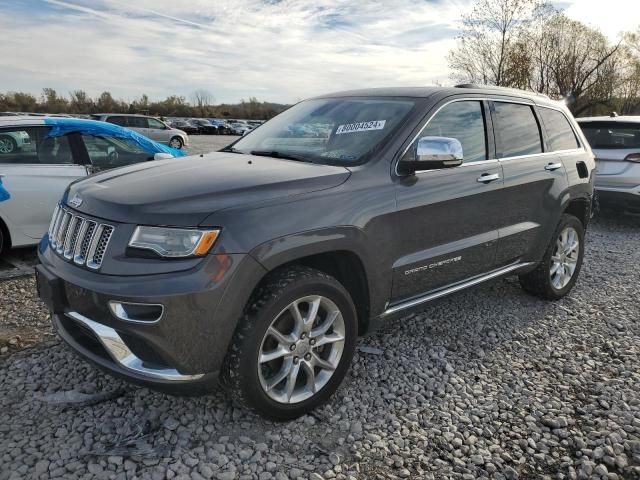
column 138, row 122
column 118, row 120
column 32, row 145
column 560, row 135
column 517, row 131
column 612, row 135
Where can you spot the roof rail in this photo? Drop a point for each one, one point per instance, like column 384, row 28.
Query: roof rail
column 493, row 87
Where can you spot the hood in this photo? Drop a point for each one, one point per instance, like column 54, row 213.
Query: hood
column 184, row 192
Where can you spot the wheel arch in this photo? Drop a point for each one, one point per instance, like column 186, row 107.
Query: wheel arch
column 338, row 253
column 579, row 207
column 4, row 229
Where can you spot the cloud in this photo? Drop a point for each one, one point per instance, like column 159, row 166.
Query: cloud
column 275, row 50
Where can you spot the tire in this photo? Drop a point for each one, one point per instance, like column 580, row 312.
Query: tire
column 7, row 145
column 544, row 281
column 271, row 308
column 2, row 245
column 176, row 142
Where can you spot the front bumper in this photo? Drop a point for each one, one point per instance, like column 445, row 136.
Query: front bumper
column 184, row 346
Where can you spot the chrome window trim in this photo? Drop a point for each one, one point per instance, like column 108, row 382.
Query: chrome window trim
column 492, row 160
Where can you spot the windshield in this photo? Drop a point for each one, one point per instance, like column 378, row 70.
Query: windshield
column 614, row 135
column 338, row 131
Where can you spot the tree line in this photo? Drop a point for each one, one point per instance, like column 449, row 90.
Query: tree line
column 528, row 44
column 200, row 105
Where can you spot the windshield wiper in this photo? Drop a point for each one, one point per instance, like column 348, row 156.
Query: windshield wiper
column 231, row 150
column 283, row 155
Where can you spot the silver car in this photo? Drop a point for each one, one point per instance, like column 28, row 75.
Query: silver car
column 615, row 142
column 150, row 127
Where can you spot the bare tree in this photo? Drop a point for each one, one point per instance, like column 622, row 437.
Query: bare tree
column 202, row 99
column 490, row 50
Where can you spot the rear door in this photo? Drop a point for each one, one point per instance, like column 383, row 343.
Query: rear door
column 447, row 219
column 35, row 174
column 534, row 182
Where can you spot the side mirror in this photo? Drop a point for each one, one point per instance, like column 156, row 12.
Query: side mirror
column 431, row 153
column 162, row 156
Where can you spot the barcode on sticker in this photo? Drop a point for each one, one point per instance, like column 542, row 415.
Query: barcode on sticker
column 361, row 126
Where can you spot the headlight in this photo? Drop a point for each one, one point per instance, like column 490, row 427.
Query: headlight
column 174, row 242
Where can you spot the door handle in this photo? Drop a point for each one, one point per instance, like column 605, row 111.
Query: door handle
column 552, row 166
column 486, row 177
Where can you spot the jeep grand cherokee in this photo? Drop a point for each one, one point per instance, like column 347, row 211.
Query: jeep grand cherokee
column 262, row 263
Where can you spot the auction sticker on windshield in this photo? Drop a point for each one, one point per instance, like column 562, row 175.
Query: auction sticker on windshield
column 361, row 126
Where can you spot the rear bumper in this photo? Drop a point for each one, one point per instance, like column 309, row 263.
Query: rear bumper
column 622, row 198
column 183, row 346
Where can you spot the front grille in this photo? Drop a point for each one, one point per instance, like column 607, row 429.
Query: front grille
column 79, row 239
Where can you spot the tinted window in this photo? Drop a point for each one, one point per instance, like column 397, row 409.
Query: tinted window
column 612, row 134
column 137, row 122
column 29, row 145
column 517, row 131
column 153, row 123
column 108, row 152
column 560, row 135
column 463, row 121
column 122, row 121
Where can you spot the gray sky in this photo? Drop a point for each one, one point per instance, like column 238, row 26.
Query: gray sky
column 276, row 50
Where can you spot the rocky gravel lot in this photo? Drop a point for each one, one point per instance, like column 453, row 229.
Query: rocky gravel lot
column 489, row 383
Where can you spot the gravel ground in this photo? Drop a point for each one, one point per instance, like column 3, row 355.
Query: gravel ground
column 489, row 383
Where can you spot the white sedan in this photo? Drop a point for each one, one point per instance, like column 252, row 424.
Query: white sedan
column 40, row 156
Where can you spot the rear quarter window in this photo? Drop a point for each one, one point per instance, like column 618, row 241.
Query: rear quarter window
column 560, row 135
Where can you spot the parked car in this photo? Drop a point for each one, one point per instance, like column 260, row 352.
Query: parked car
column 185, row 126
column 54, row 152
column 223, row 127
column 263, row 266
column 239, row 128
column 205, row 126
column 150, row 127
column 615, row 141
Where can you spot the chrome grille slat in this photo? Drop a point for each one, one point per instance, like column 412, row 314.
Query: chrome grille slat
column 78, row 239
column 62, row 232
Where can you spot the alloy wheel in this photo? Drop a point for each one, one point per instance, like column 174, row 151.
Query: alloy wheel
column 301, row 349
column 175, row 143
column 6, row 145
column 565, row 258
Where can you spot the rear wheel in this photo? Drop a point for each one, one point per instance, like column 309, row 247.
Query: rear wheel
column 294, row 344
column 558, row 271
column 176, row 142
column 7, row 145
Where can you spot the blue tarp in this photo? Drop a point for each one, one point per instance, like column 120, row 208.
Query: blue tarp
column 4, row 195
column 63, row 126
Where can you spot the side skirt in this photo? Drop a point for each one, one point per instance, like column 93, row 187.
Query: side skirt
column 415, row 301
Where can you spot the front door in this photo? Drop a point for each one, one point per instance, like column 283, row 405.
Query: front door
column 447, row 220
column 36, row 175
column 158, row 131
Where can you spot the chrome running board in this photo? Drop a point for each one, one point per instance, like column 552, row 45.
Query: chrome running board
column 124, row 357
column 455, row 288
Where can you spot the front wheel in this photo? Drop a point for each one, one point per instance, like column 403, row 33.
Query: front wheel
column 293, row 346
column 558, row 271
column 7, row 145
column 176, row 142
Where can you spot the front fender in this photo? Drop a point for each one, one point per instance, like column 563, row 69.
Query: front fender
column 290, row 248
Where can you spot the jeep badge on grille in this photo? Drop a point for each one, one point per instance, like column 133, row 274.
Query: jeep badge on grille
column 75, row 201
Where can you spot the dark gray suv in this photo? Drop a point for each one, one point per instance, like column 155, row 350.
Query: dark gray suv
column 262, row 263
